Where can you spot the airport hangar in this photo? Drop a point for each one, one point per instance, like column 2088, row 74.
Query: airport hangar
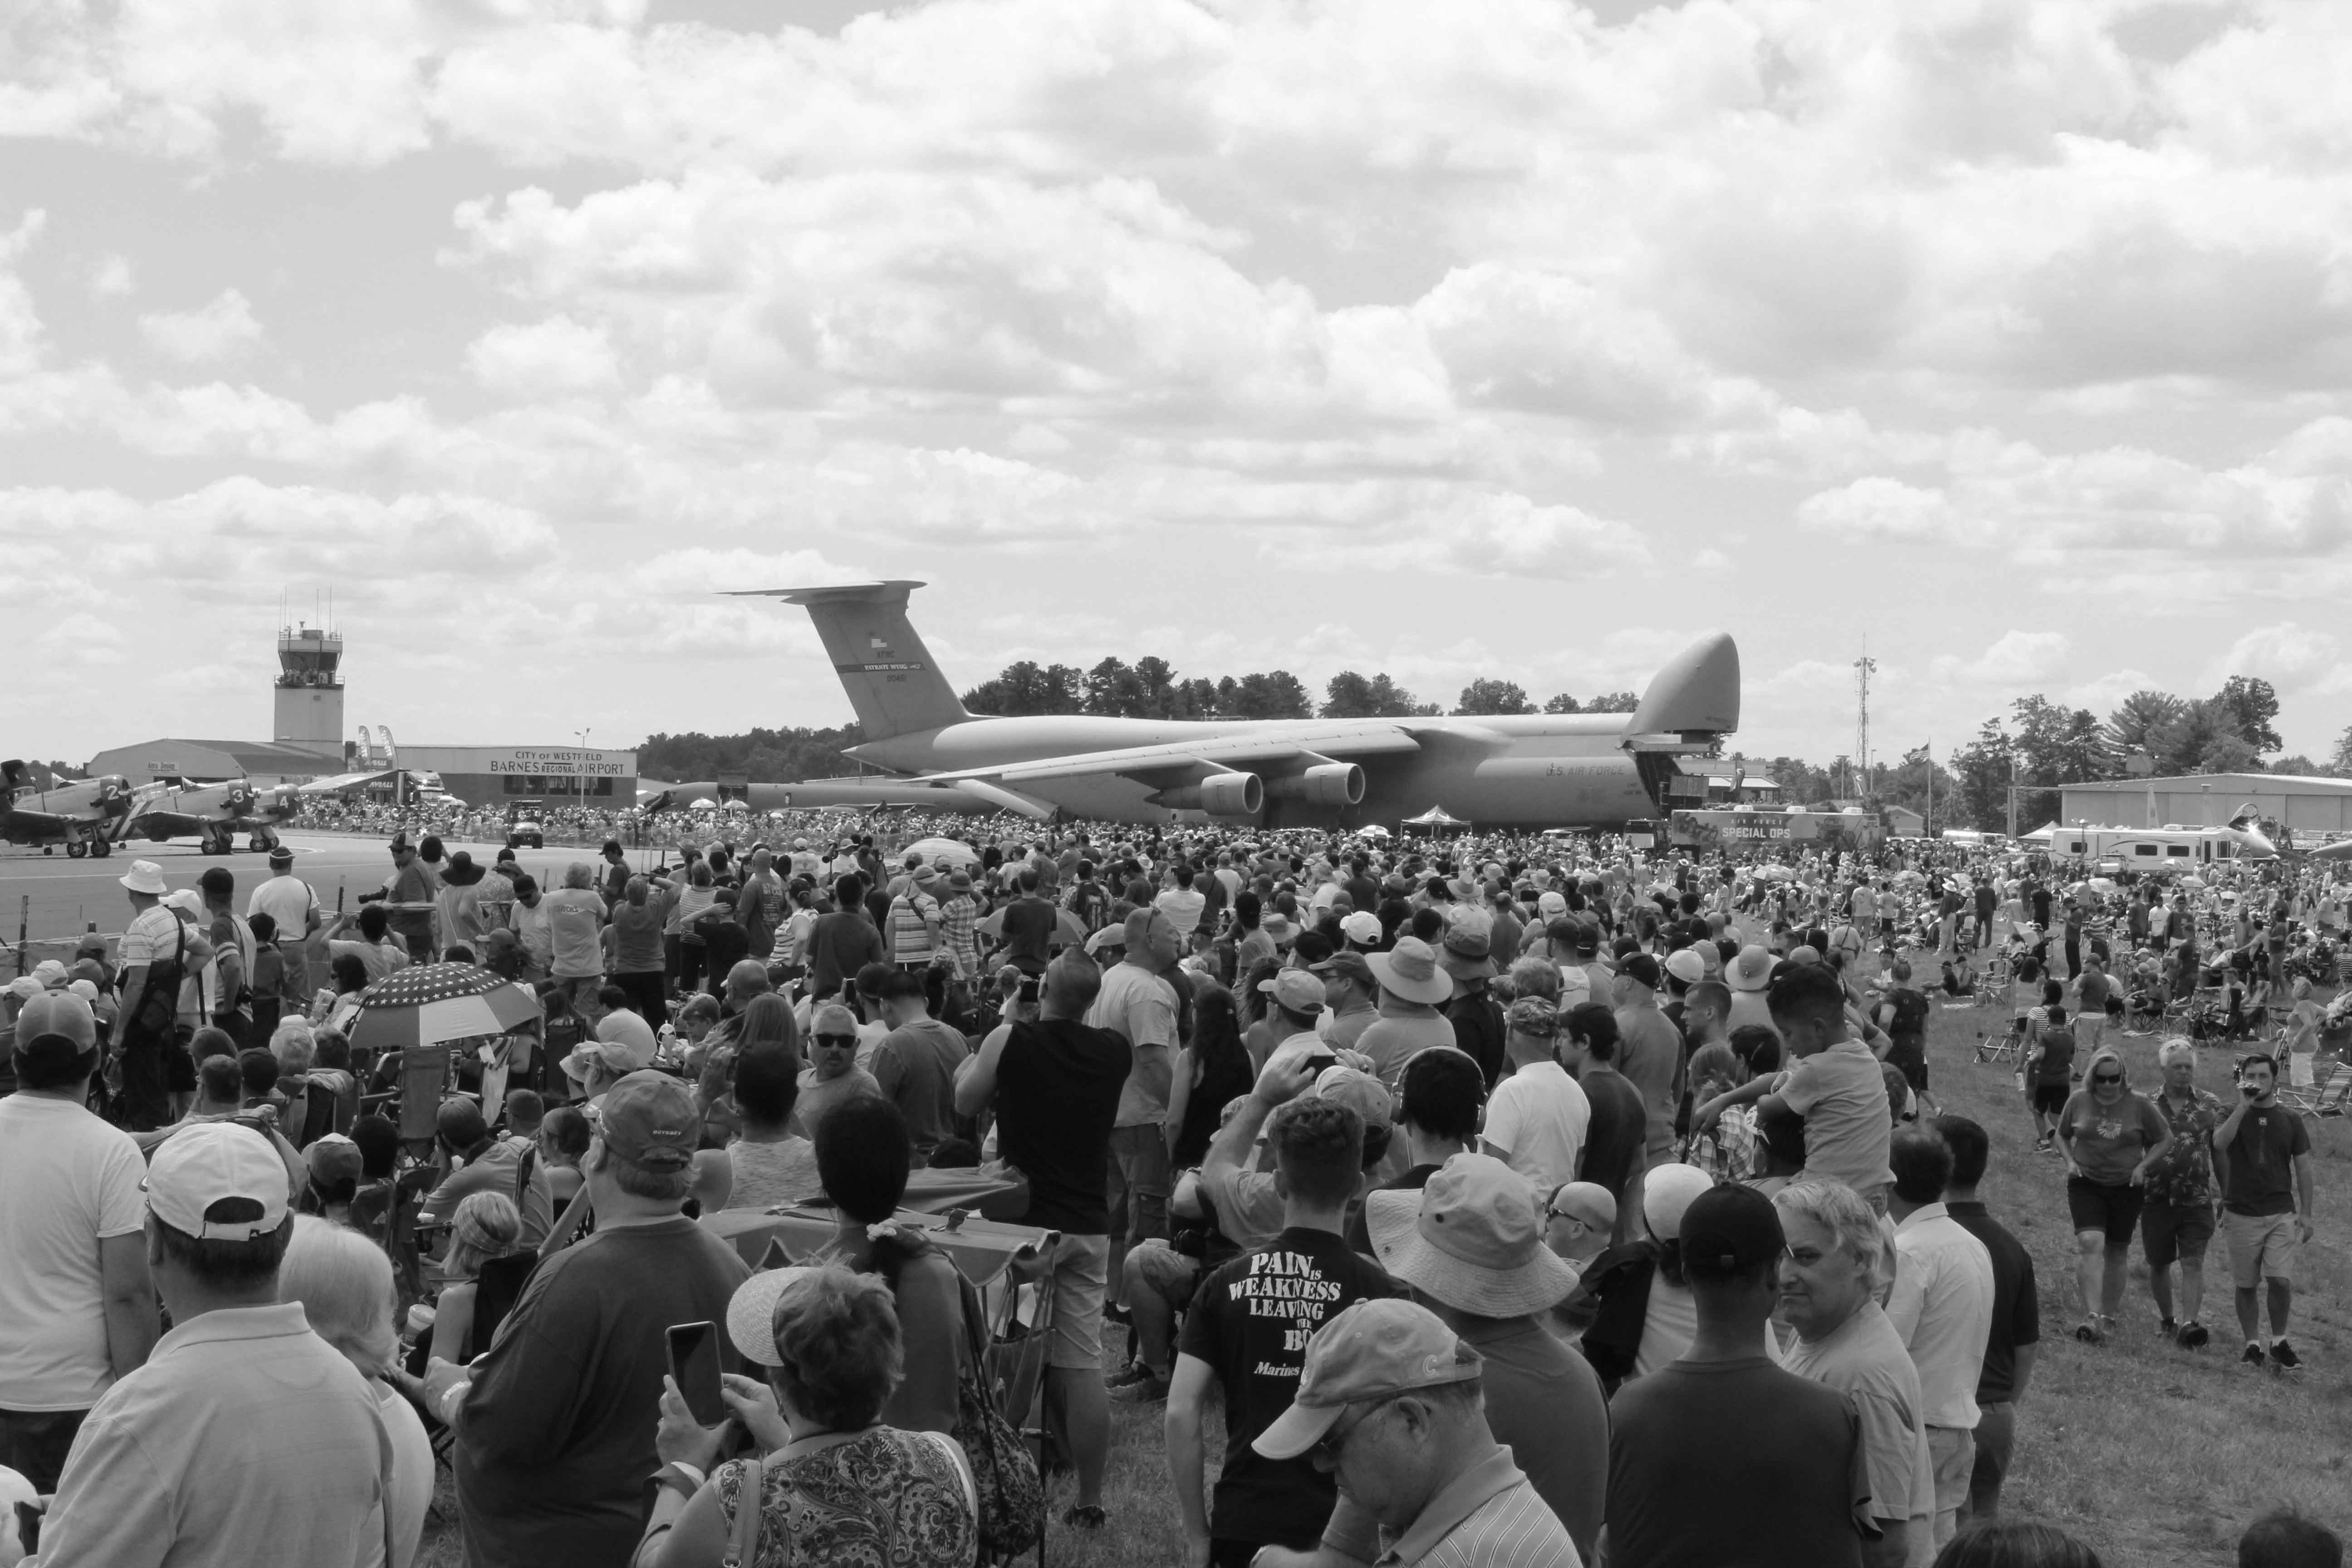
column 2303, row 804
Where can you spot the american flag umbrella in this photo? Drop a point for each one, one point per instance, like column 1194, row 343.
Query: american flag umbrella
column 425, row 1005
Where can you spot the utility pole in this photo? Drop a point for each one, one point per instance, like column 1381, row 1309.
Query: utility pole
column 1927, row 822
column 1863, row 668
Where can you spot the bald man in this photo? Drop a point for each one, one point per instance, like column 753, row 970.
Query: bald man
column 1056, row 1086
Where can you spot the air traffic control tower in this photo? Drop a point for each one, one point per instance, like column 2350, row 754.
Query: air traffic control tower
column 310, row 691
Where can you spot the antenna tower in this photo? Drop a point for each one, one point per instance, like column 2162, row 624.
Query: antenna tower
column 1863, row 668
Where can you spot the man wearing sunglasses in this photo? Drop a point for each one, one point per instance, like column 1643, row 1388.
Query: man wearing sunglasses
column 1389, row 1405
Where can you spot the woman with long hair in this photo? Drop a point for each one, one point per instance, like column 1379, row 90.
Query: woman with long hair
column 1212, row 1067
column 863, row 1158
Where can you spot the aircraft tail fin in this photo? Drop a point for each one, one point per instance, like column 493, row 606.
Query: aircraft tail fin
column 890, row 677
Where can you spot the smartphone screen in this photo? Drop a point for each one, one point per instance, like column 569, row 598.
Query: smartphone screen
column 694, row 1363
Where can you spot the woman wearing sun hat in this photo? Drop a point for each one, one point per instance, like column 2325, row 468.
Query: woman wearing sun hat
column 832, row 1483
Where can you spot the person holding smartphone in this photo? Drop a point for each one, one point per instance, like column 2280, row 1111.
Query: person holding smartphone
column 2263, row 1156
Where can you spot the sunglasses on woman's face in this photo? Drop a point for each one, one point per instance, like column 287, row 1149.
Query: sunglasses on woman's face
column 2107, row 1078
column 834, row 1040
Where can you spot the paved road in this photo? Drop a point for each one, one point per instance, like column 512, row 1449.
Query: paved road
column 67, row 897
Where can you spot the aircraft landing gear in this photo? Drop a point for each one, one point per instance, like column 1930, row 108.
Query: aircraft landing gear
column 76, row 849
column 101, row 847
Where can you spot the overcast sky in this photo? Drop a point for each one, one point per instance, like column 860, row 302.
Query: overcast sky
column 1500, row 337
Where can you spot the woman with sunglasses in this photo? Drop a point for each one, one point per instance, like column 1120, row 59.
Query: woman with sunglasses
column 2111, row 1137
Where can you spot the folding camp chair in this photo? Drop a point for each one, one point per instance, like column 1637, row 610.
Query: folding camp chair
column 2314, row 1088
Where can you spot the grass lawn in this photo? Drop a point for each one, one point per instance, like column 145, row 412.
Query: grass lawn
column 2155, row 1455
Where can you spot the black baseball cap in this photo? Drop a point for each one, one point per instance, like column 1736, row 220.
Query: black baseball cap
column 1729, row 1229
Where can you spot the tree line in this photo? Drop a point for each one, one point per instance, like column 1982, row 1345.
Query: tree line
column 763, row 756
column 1151, row 689
column 2041, row 744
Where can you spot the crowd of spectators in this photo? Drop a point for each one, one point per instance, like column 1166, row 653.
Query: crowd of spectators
column 1506, row 1199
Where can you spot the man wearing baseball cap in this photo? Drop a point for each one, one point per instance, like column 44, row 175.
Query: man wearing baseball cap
column 1249, row 1202
column 1725, row 1425
column 1471, row 1244
column 1389, row 1405
column 246, row 1438
column 555, row 1424
column 73, row 1285
column 1348, row 995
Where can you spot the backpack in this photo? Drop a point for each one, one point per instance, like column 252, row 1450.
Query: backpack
column 1091, row 905
column 1911, row 1011
column 1480, row 1029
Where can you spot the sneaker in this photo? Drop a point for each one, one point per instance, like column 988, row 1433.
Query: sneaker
column 2193, row 1336
column 1084, row 1516
column 2168, row 1329
column 2045, row 1146
column 2088, row 1331
column 2284, row 1357
column 2252, row 1355
column 1133, row 1372
column 1145, row 1390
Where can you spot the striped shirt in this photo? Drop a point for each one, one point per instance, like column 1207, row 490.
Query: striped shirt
column 1487, row 1517
column 959, row 932
column 910, row 942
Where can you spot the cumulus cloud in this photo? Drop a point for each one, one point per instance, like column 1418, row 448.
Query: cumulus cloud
column 2295, row 659
column 222, row 328
column 554, row 358
column 1779, row 318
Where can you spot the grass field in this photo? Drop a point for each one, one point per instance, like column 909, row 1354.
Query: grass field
column 2154, row 1455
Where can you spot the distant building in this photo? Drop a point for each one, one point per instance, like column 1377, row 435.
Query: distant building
column 2304, row 805
column 1904, row 822
column 1703, row 782
column 181, row 761
column 559, row 775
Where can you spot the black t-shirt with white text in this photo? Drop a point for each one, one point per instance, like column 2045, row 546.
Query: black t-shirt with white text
column 1250, row 1323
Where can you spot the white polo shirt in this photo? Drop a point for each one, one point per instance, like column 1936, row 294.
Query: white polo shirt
column 1942, row 1306
column 1537, row 1117
column 245, row 1438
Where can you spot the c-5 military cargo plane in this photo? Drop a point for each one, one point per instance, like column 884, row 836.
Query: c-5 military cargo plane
column 1520, row 771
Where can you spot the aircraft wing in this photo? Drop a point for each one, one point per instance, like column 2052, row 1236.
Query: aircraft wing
column 1240, row 750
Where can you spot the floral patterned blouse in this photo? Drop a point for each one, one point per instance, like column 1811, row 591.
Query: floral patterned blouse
column 877, row 1498
column 2185, row 1175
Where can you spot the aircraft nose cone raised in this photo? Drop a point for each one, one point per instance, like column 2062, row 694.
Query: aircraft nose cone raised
column 1698, row 689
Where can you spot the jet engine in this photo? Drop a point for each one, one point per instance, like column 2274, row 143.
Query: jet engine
column 1326, row 783
column 1230, row 795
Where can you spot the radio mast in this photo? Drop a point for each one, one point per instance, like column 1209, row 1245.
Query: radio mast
column 1863, row 668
